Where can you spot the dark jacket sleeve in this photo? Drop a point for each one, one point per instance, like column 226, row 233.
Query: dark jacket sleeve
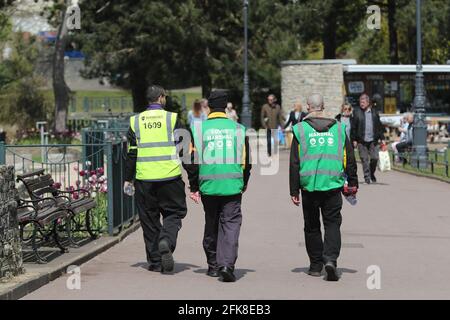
column 354, row 127
column 294, row 169
column 189, row 165
column 378, row 127
column 351, row 169
column 291, row 120
column 130, row 163
column 248, row 163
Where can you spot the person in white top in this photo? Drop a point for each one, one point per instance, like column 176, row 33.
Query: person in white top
column 231, row 112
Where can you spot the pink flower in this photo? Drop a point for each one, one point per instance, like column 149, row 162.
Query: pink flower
column 75, row 196
column 92, row 172
column 100, row 171
column 104, row 188
column 82, row 173
column 57, row 185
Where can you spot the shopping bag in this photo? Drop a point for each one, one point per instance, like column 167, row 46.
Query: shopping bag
column 281, row 137
column 384, row 162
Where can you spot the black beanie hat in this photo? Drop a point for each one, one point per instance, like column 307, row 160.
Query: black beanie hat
column 218, row 99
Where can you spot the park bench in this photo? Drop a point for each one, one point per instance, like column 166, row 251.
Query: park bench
column 53, row 209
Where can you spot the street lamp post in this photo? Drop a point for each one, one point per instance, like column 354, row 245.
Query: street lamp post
column 419, row 156
column 246, row 115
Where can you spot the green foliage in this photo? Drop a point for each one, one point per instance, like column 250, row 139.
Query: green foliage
column 372, row 46
column 23, row 102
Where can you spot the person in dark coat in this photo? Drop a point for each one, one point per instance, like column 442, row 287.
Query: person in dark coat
column 366, row 133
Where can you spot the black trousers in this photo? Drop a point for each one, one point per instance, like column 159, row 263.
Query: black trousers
column 156, row 199
column 223, row 219
column 271, row 134
column 368, row 152
column 329, row 203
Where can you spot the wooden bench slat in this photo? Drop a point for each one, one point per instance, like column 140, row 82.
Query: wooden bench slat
column 30, row 174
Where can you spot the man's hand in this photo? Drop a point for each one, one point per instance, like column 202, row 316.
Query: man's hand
column 195, row 196
column 296, row 200
column 349, row 191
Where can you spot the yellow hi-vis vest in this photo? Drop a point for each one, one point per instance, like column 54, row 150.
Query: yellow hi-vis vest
column 157, row 158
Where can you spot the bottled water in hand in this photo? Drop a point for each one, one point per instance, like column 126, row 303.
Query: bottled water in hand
column 129, row 190
column 351, row 199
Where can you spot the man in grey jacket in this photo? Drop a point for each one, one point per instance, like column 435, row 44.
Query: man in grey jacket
column 271, row 117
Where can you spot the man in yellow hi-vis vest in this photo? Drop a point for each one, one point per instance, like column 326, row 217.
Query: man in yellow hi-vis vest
column 154, row 166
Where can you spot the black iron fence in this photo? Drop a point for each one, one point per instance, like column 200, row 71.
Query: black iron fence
column 98, row 164
column 437, row 163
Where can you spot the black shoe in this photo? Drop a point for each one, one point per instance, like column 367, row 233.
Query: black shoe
column 374, row 180
column 315, row 271
column 331, row 270
column 227, row 274
column 166, row 256
column 155, row 268
column 366, row 181
column 212, row 272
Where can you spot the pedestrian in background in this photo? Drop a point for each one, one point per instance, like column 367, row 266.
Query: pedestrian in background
column 321, row 156
column 345, row 117
column 406, row 138
column 153, row 168
column 222, row 175
column 295, row 116
column 197, row 113
column 367, row 133
column 205, row 107
column 271, row 118
column 231, row 112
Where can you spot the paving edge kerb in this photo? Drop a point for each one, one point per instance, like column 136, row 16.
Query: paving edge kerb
column 22, row 289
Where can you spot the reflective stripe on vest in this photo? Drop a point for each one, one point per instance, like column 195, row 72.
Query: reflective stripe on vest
column 168, row 143
column 157, row 157
column 220, row 171
column 321, row 157
column 304, row 146
column 223, row 176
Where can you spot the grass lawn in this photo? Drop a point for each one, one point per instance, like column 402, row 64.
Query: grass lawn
column 438, row 168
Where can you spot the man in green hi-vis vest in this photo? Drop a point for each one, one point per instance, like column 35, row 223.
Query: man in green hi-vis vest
column 223, row 171
column 153, row 169
column 322, row 162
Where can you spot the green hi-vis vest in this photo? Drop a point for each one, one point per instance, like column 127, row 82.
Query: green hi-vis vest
column 321, row 157
column 220, row 144
column 156, row 152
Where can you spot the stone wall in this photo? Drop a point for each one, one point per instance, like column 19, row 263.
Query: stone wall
column 302, row 78
column 11, row 263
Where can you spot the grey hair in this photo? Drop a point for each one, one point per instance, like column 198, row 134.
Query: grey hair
column 315, row 101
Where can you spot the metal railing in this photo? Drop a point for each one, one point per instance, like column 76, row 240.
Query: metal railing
column 102, row 153
column 437, row 163
column 101, row 104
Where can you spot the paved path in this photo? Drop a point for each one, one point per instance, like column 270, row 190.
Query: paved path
column 401, row 225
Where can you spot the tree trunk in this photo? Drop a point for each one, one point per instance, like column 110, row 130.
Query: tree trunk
column 393, row 41
column 139, row 86
column 60, row 89
column 206, row 86
column 329, row 36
